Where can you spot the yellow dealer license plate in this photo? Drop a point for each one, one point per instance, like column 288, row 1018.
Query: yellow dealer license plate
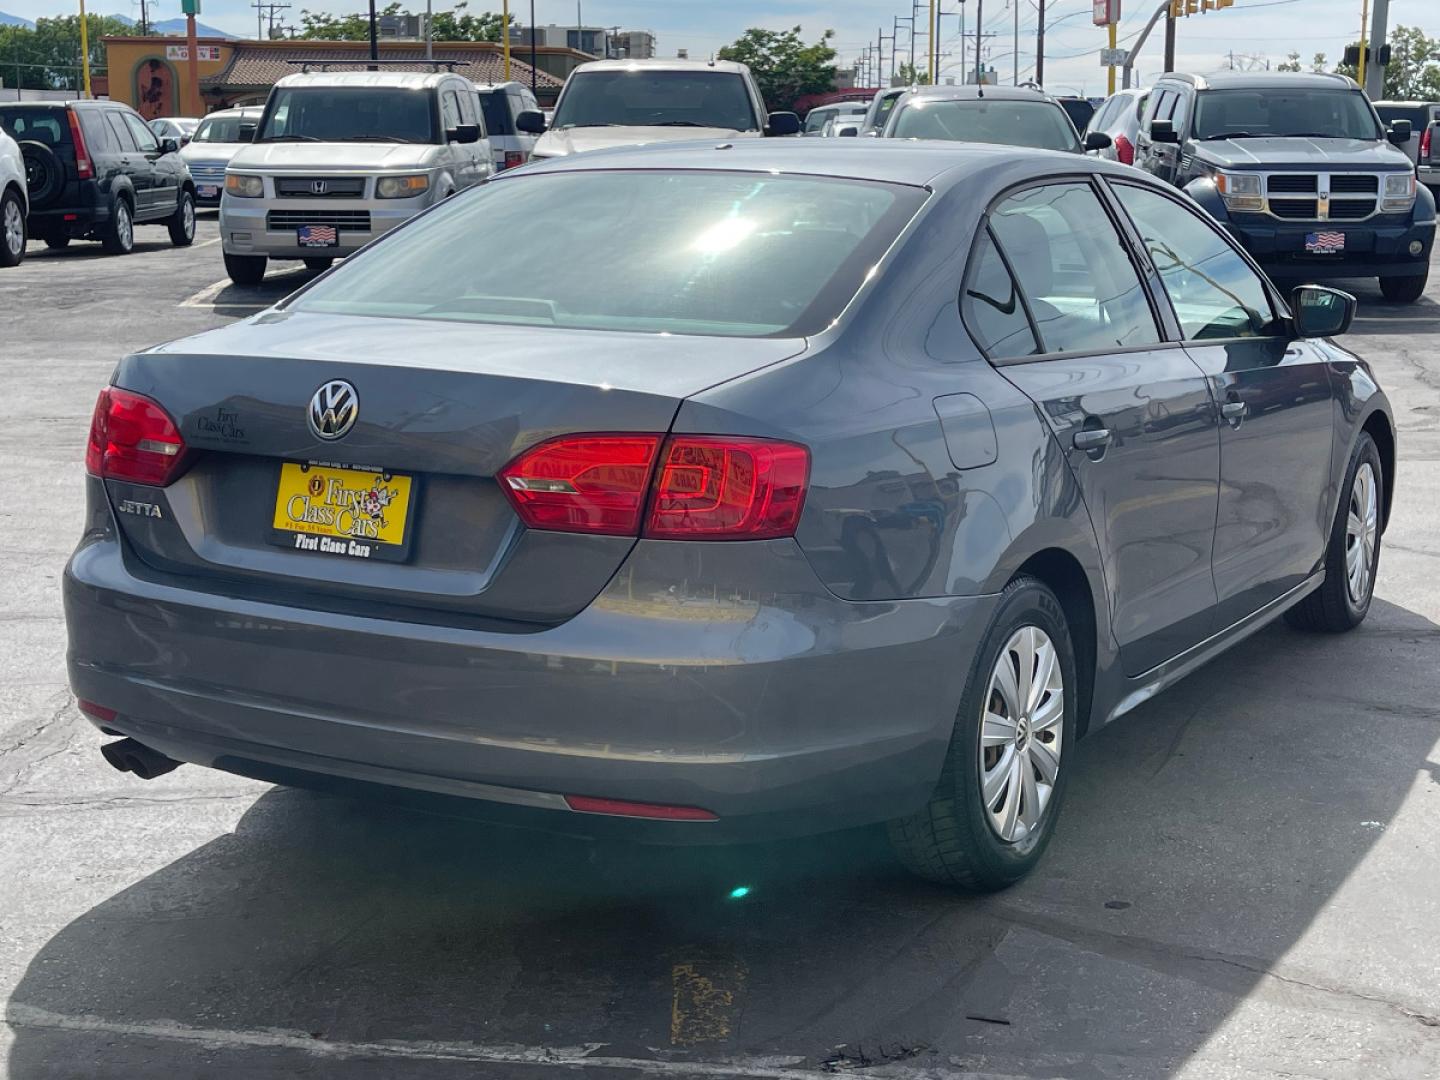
column 343, row 511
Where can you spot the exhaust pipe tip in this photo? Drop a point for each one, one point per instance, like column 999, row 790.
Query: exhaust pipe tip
column 127, row 755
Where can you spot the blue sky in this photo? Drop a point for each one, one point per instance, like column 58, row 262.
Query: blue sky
column 1253, row 28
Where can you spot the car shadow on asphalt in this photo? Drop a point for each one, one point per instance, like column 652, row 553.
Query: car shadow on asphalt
column 1203, row 836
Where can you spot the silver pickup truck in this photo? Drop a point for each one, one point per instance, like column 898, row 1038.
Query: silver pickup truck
column 340, row 158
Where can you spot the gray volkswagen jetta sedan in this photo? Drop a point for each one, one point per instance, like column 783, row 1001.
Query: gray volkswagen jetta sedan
column 758, row 489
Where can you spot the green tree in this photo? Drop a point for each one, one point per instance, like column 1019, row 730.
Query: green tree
column 48, row 57
column 1414, row 69
column 1318, row 64
column 784, row 66
column 454, row 25
column 909, row 76
column 1290, row 63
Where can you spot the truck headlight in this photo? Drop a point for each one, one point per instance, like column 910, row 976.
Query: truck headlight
column 402, row 187
column 243, row 186
column 1399, row 191
column 1241, row 191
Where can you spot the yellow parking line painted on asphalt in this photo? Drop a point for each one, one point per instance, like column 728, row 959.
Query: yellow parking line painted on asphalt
column 703, row 1004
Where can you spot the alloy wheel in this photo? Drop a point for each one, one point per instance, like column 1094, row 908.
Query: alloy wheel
column 13, row 228
column 1361, row 528
column 187, row 216
column 124, row 227
column 1020, row 733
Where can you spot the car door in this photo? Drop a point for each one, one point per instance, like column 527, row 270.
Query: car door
column 1132, row 411
column 129, row 162
column 1275, row 400
column 479, row 161
column 455, row 154
column 150, row 186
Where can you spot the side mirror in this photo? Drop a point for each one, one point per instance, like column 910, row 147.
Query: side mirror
column 782, row 123
column 531, row 121
column 1399, row 132
column 247, row 132
column 1097, row 140
column 1320, row 311
column 1163, row 131
column 464, row 133
column 169, row 145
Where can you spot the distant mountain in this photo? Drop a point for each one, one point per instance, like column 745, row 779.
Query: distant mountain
column 15, row 20
column 175, row 27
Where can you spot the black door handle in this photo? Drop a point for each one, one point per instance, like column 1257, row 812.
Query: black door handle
column 1092, row 439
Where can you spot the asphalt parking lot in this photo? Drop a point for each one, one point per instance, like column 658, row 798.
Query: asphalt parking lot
column 1246, row 881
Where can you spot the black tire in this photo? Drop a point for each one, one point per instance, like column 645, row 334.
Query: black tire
column 182, row 222
column 57, row 241
column 44, row 175
column 1404, row 290
column 951, row 840
column 1331, row 609
column 119, row 235
column 318, row 264
column 246, row 269
column 12, row 229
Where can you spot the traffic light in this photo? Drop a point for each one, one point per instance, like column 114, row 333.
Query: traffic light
column 1383, row 55
column 1352, row 56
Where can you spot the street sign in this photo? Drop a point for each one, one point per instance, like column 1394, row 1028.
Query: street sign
column 1105, row 12
column 1114, row 57
column 190, row 7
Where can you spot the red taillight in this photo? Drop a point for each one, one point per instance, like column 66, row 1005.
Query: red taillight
column 620, row 808
column 132, row 438
column 1425, row 143
column 583, row 483
column 719, row 488
column 706, row 487
column 514, row 158
column 1124, row 150
column 83, row 169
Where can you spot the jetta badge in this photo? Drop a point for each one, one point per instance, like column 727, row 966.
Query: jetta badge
column 333, row 410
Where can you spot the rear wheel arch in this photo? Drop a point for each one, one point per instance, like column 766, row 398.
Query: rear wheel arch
column 1063, row 574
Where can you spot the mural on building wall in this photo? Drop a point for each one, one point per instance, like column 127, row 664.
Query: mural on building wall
column 154, row 89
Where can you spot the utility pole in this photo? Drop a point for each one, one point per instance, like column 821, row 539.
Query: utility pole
column 534, row 68
column 1374, row 78
column 192, row 64
column 84, row 51
column 429, row 17
column 1015, row 53
column 145, row 22
column 505, row 38
column 1169, row 43
column 930, row 48
column 374, row 37
column 979, row 37
column 1040, row 45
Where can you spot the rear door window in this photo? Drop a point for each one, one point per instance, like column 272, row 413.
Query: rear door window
column 1083, row 290
column 115, row 120
column 144, row 137
column 97, row 134
column 991, row 308
column 497, row 116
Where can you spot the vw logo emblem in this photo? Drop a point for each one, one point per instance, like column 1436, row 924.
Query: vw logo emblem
column 318, row 187
column 333, row 410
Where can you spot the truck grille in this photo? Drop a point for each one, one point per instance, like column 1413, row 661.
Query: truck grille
column 330, row 187
column 343, row 220
column 1322, row 196
column 208, row 172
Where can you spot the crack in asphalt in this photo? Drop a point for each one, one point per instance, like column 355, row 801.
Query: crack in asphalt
column 41, row 729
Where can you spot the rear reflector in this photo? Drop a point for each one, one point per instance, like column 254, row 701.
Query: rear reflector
column 1124, row 150
column 583, row 483
column 514, row 158
column 132, row 438
column 99, row 712
column 719, row 488
column 83, row 168
column 706, row 487
column 619, row 808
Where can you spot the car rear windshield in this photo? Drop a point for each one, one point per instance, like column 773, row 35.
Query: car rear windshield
column 46, row 125
column 221, row 129
column 1012, row 123
column 496, row 107
column 709, row 99
column 349, row 114
column 1256, row 114
column 730, row 254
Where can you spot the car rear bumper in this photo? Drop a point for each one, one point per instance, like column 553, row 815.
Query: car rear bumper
column 726, row 678
column 1429, row 175
column 250, row 230
column 81, row 213
column 1371, row 250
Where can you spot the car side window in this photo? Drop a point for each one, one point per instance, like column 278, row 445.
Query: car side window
column 1071, row 264
column 145, row 139
column 1179, row 110
column 123, row 139
column 1213, row 290
column 450, row 109
column 991, row 308
column 97, row 134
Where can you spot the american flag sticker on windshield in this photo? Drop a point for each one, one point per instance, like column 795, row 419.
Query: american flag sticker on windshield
column 1324, row 243
column 317, row 236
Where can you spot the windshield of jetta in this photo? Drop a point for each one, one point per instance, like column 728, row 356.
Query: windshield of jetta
column 1273, row 113
column 641, row 98
column 349, row 114
column 730, row 254
column 1011, row 123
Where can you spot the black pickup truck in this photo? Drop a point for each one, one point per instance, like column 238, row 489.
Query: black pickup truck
column 1300, row 170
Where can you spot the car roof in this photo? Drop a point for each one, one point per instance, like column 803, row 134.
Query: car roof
column 1264, row 80
column 665, row 65
column 977, row 93
column 236, row 110
column 920, row 163
column 506, row 86
column 407, row 80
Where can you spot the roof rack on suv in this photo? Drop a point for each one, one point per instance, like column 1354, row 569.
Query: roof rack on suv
column 325, row 65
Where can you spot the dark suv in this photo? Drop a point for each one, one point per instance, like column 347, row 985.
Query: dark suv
column 1300, row 170
column 95, row 170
